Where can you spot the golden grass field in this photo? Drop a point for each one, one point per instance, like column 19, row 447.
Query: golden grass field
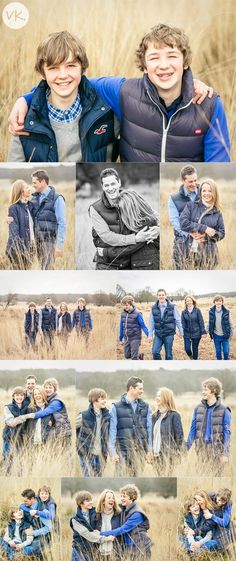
column 111, row 31
column 11, row 489
column 185, row 404
column 67, row 260
column 163, row 524
column 102, row 342
column 51, row 459
column 227, row 190
column 186, row 488
column 206, row 347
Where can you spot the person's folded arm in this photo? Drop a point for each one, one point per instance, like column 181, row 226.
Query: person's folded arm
column 113, row 253
column 102, row 229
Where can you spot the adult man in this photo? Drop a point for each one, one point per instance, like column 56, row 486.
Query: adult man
column 210, row 428
column 48, row 322
column 109, row 229
column 92, row 431
column 30, row 383
column 130, row 438
column 188, row 191
column 163, row 320
column 49, row 219
column 159, row 121
column 134, row 525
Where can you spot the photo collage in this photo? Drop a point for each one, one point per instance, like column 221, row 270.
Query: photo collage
column 117, row 205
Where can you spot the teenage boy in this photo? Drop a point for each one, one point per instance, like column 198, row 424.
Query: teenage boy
column 82, row 320
column 220, row 327
column 131, row 326
column 134, row 525
column 15, row 414
column 159, row 121
column 31, row 325
column 92, row 431
column 197, row 531
column 210, row 427
column 48, row 322
column 67, row 120
column 163, row 320
column 188, row 191
column 130, row 437
column 83, row 524
column 15, row 541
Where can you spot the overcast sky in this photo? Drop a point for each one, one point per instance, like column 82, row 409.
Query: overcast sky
column 57, row 282
column 198, row 282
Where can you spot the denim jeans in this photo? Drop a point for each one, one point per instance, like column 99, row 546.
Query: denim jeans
column 91, row 466
column 221, row 346
column 158, row 343
column 191, row 346
column 131, row 348
column 77, row 556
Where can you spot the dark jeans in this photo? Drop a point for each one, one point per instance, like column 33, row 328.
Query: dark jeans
column 48, row 337
column 91, row 466
column 131, row 348
column 46, row 254
column 158, row 343
column 221, row 346
column 191, row 346
column 30, row 339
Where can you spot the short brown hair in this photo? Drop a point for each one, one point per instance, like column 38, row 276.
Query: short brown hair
column 83, row 496
column 18, row 389
column 128, row 299
column 41, row 175
column 214, row 385
column 12, row 510
column 109, row 171
column 132, row 382
column 95, row 393
column 218, row 297
column 187, row 170
column 224, row 495
column 190, row 502
column 32, row 304
column 131, row 490
column 45, row 488
column 164, row 35
column 57, row 47
column 52, row 381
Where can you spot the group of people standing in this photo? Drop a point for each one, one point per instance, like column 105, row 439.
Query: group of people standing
column 131, row 434
column 49, row 322
column 165, row 318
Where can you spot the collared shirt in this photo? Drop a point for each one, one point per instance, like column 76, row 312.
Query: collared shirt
column 174, row 213
column 113, row 426
column 162, row 309
column 41, row 317
column 60, row 212
column 67, row 115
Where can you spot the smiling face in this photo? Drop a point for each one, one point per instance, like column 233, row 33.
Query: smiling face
column 137, row 392
column 207, row 393
column 38, row 396
column 109, row 500
column 30, row 385
column 158, row 400
column 18, row 397
column 200, row 501
column 87, row 505
column 44, row 496
column 207, row 195
column 111, row 187
column 189, row 302
column 164, row 66
column 18, row 515
column 195, row 509
column 190, row 182
column 218, row 303
column 26, row 192
column 63, row 80
column 28, row 502
column 125, row 499
column 128, row 307
column 49, row 389
column 161, row 296
column 39, row 186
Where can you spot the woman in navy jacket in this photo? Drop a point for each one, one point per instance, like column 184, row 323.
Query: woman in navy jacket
column 193, row 327
column 203, row 220
column 20, row 246
column 108, row 518
column 167, row 433
column 64, row 324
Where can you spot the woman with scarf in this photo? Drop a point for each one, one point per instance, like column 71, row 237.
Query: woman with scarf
column 64, row 325
column 39, row 430
column 20, row 248
column 108, row 518
column 203, row 220
column 167, row 433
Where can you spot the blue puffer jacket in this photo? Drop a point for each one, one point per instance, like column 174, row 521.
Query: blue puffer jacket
column 193, row 323
column 96, row 131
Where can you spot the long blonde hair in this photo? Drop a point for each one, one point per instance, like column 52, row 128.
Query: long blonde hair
column 135, row 211
column 167, row 398
column 214, row 189
column 101, row 499
column 17, row 190
column 41, row 390
column 208, row 502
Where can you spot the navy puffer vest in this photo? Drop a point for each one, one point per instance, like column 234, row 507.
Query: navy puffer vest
column 216, row 425
column 86, row 434
column 44, row 215
column 140, row 541
column 131, row 328
column 15, row 434
column 49, row 319
column 22, row 527
column 165, row 325
column 224, row 321
column 147, row 135
column 62, row 426
column 77, row 318
column 78, row 542
column 28, row 319
column 180, row 199
column 132, row 426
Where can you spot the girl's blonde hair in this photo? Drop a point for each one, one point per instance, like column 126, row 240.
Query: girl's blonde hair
column 167, row 398
column 135, row 211
column 192, row 298
column 63, row 304
column 41, row 390
column 214, row 189
column 16, row 191
column 208, row 501
column 101, row 500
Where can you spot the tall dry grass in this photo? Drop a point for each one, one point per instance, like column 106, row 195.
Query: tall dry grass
column 227, row 191
column 101, row 345
column 163, row 524
column 206, row 346
column 11, row 489
column 67, row 260
column 188, row 463
column 50, row 459
column 111, row 32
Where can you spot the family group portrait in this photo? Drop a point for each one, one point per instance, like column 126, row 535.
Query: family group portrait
column 155, row 422
column 30, row 519
column 37, row 211
column 116, row 519
column 206, row 526
column 117, row 217
column 197, row 210
column 154, row 99
column 45, row 317
column 37, row 420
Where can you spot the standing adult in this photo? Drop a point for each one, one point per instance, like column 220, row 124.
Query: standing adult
column 48, row 322
column 163, row 320
column 167, row 432
column 193, row 327
column 20, row 248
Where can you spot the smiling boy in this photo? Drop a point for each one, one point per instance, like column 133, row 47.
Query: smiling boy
column 67, row 120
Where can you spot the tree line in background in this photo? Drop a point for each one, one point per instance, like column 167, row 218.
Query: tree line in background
column 147, row 294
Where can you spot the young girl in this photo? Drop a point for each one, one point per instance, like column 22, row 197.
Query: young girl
column 204, row 222
column 193, row 327
column 20, row 246
column 167, row 432
column 108, row 518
